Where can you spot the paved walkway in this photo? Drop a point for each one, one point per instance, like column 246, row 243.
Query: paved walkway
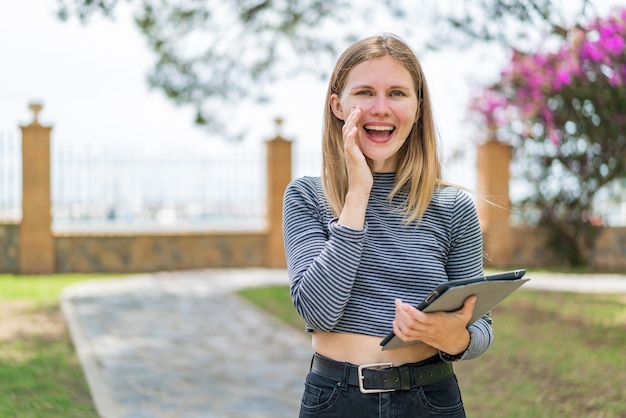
column 183, row 345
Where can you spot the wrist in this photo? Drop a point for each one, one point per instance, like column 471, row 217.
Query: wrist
column 358, row 196
column 354, row 208
column 447, row 357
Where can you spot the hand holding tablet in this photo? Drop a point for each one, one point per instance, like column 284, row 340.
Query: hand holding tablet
column 490, row 290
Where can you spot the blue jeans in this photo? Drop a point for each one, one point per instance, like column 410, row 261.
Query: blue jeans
column 335, row 399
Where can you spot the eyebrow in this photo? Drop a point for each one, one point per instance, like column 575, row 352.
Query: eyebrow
column 367, row 86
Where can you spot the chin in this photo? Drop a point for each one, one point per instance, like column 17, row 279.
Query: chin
column 377, row 156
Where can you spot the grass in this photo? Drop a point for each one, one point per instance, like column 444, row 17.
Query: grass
column 555, row 354
column 45, row 379
column 40, row 374
column 42, row 290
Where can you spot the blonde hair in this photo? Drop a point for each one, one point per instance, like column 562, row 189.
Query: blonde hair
column 419, row 167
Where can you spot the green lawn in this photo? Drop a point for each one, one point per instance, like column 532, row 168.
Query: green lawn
column 40, row 289
column 555, row 354
column 40, row 374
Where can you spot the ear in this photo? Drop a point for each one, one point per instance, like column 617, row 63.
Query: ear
column 335, row 106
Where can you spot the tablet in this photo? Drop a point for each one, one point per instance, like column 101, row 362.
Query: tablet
column 450, row 296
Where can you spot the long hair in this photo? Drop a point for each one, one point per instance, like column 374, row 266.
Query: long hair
column 419, row 166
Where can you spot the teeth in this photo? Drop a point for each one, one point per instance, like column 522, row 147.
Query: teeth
column 378, row 128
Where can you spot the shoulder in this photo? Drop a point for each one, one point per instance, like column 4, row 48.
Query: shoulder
column 307, row 188
column 452, row 198
column 306, row 182
column 455, row 206
column 305, row 196
column 306, row 185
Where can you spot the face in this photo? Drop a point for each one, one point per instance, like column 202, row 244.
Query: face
column 384, row 91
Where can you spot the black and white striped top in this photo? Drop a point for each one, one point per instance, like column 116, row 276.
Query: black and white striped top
column 344, row 280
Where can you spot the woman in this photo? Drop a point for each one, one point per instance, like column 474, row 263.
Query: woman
column 371, row 237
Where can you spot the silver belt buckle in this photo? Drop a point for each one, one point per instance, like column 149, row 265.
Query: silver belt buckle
column 379, row 366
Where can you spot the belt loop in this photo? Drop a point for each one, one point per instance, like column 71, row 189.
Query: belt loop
column 346, row 376
column 406, row 378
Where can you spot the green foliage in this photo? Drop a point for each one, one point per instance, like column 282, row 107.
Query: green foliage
column 515, row 24
column 209, row 53
column 563, row 110
column 212, row 52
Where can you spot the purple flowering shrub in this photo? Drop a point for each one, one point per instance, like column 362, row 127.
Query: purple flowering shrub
column 564, row 112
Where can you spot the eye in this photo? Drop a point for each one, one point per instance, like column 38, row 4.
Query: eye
column 397, row 93
column 363, row 93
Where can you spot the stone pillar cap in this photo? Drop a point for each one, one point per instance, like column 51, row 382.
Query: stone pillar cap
column 36, row 108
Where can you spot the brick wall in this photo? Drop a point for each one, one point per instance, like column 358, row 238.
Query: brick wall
column 610, row 250
column 33, row 248
column 113, row 253
column 158, row 252
column 530, row 250
column 36, row 255
column 506, row 246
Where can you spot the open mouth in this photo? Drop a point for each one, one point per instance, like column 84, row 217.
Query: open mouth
column 379, row 131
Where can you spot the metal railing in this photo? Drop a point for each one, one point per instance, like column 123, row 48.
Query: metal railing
column 128, row 187
column 205, row 188
column 10, row 176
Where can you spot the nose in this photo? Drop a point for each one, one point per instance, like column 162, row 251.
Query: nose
column 380, row 106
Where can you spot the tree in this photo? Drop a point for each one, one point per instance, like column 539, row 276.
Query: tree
column 212, row 52
column 564, row 111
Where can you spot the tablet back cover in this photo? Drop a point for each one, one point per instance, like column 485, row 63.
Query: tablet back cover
column 489, row 295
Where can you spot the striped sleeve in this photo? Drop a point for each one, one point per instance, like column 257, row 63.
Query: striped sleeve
column 322, row 268
column 465, row 260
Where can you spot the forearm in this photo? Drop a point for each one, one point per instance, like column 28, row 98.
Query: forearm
column 465, row 260
column 322, row 273
column 353, row 212
column 481, row 338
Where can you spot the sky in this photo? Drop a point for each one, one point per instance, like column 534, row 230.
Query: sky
column 91, row 80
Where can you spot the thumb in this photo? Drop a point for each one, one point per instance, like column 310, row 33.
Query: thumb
column 468, row 305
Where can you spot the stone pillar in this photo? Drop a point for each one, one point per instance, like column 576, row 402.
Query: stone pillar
column 494, row 205
column 36, row 243
column 278, row 177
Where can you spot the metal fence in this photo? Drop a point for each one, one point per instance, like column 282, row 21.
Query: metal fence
column 10, row 176
column 130, row 187
column 209, row 186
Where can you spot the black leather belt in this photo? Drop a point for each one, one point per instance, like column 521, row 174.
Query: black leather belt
column 382, row 377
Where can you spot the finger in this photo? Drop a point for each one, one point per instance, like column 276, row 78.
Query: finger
column 402, row 310
column 468, row 305
column 398, row 331
column 350, row 132
column 409, row 312
column 349, row 139
column 350, row 124
column 407, row 317
column 402, row 329
column 355, row 115
column 399, row 322
column 406, row 331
